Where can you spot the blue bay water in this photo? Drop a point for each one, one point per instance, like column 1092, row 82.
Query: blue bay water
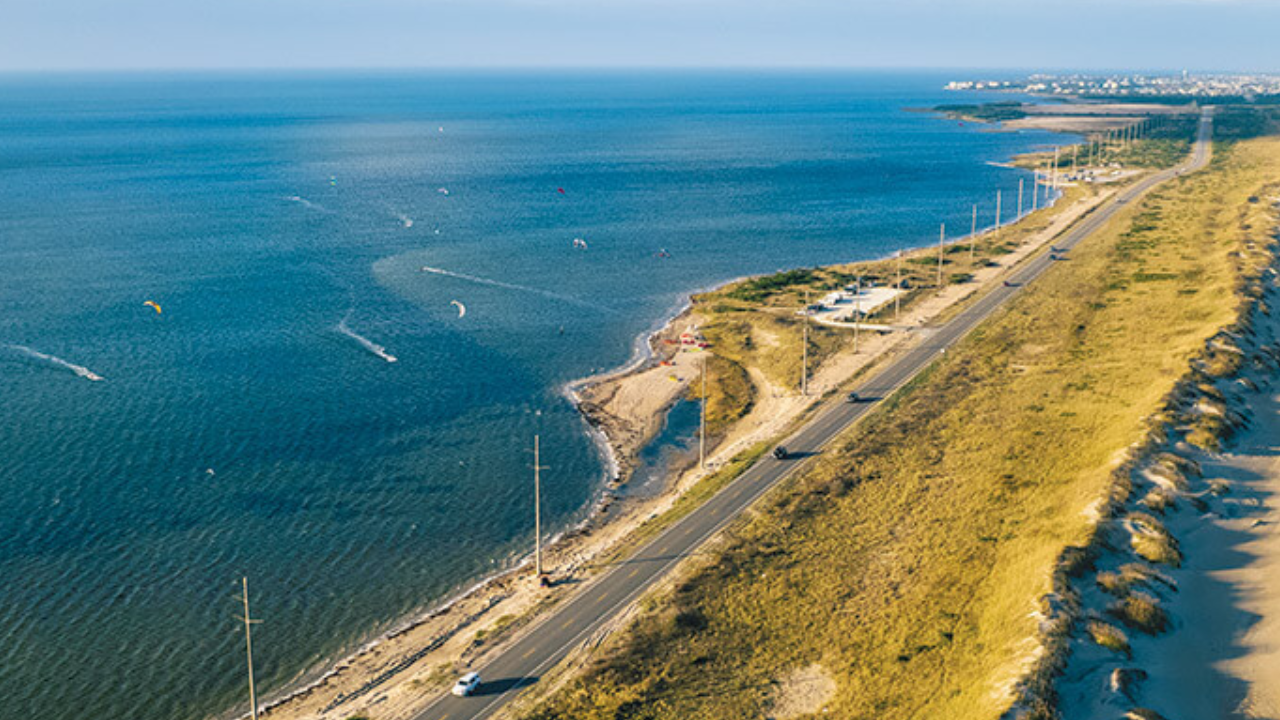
column 255, row 427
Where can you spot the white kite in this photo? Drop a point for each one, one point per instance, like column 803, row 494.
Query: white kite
column 462, row 309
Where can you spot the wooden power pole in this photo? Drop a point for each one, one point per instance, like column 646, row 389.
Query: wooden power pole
column 702, row 427
column 942, row 238
column 857, row 311
column 897, row 297
column 249, row 622
column 804, row 349
column 973, row 232
column 537, row 508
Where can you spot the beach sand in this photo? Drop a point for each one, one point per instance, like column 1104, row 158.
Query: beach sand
column 1069, row 123
column 1221, row 658
column 392, row 677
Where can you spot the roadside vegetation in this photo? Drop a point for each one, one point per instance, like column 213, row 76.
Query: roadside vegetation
column 1241, row 122
column 755, row 323
column 907, row 564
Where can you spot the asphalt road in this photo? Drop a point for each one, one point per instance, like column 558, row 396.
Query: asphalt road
column 569, row 625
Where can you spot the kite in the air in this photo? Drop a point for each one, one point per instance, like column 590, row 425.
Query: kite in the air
column 153, row 305
column 462, row 309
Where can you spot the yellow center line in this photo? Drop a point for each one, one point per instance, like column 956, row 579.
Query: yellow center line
column 531, row 651
column 634, row 573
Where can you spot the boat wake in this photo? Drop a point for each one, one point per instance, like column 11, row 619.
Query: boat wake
column 363, row 341
column 511, row 286
column 80, row 370
column 306, row 203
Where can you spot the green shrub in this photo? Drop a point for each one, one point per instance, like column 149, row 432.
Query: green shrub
column 1158, row 549
column 1109, row 636
column 1140, row 611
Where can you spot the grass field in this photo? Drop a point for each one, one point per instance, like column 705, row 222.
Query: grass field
column 904, row 570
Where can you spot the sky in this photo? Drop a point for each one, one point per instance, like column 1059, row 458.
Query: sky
column 1200, row 35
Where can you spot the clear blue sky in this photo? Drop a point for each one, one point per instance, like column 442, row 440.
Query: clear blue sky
column 1087, row 34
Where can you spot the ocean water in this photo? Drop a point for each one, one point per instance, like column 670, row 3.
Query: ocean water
column 257, row 426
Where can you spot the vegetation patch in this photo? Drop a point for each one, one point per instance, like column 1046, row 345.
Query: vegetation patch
column 1120, row 582
column 986, row 112
column 1108, row 636
column 1158, row 548
column 1139, row 611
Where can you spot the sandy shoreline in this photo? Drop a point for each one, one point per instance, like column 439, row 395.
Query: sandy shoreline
column 624, row 409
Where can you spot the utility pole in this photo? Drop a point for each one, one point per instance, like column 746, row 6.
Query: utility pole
column 804, row 350
column 537, row 508
column 1035, row 191
column 702, row 429
column 249, row 622
column 1075, row 165
column 897, row 297
column 997, row 212
column 1055, row 168
column 857, row 311
column 973, row 232
column 1015, row 217
column 942, row 237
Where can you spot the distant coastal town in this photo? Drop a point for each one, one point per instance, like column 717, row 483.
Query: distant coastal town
column 1184, row 85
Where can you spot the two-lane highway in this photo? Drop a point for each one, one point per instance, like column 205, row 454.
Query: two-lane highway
column 552, row 638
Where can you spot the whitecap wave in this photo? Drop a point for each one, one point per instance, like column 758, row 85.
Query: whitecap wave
column 56, row 361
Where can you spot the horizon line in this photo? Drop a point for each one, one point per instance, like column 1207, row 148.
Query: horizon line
column 249, row 69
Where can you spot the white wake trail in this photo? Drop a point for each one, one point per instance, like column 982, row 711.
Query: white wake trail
column 306, row 203
column 80, row 370
column 510, row 286
column 364, row 342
